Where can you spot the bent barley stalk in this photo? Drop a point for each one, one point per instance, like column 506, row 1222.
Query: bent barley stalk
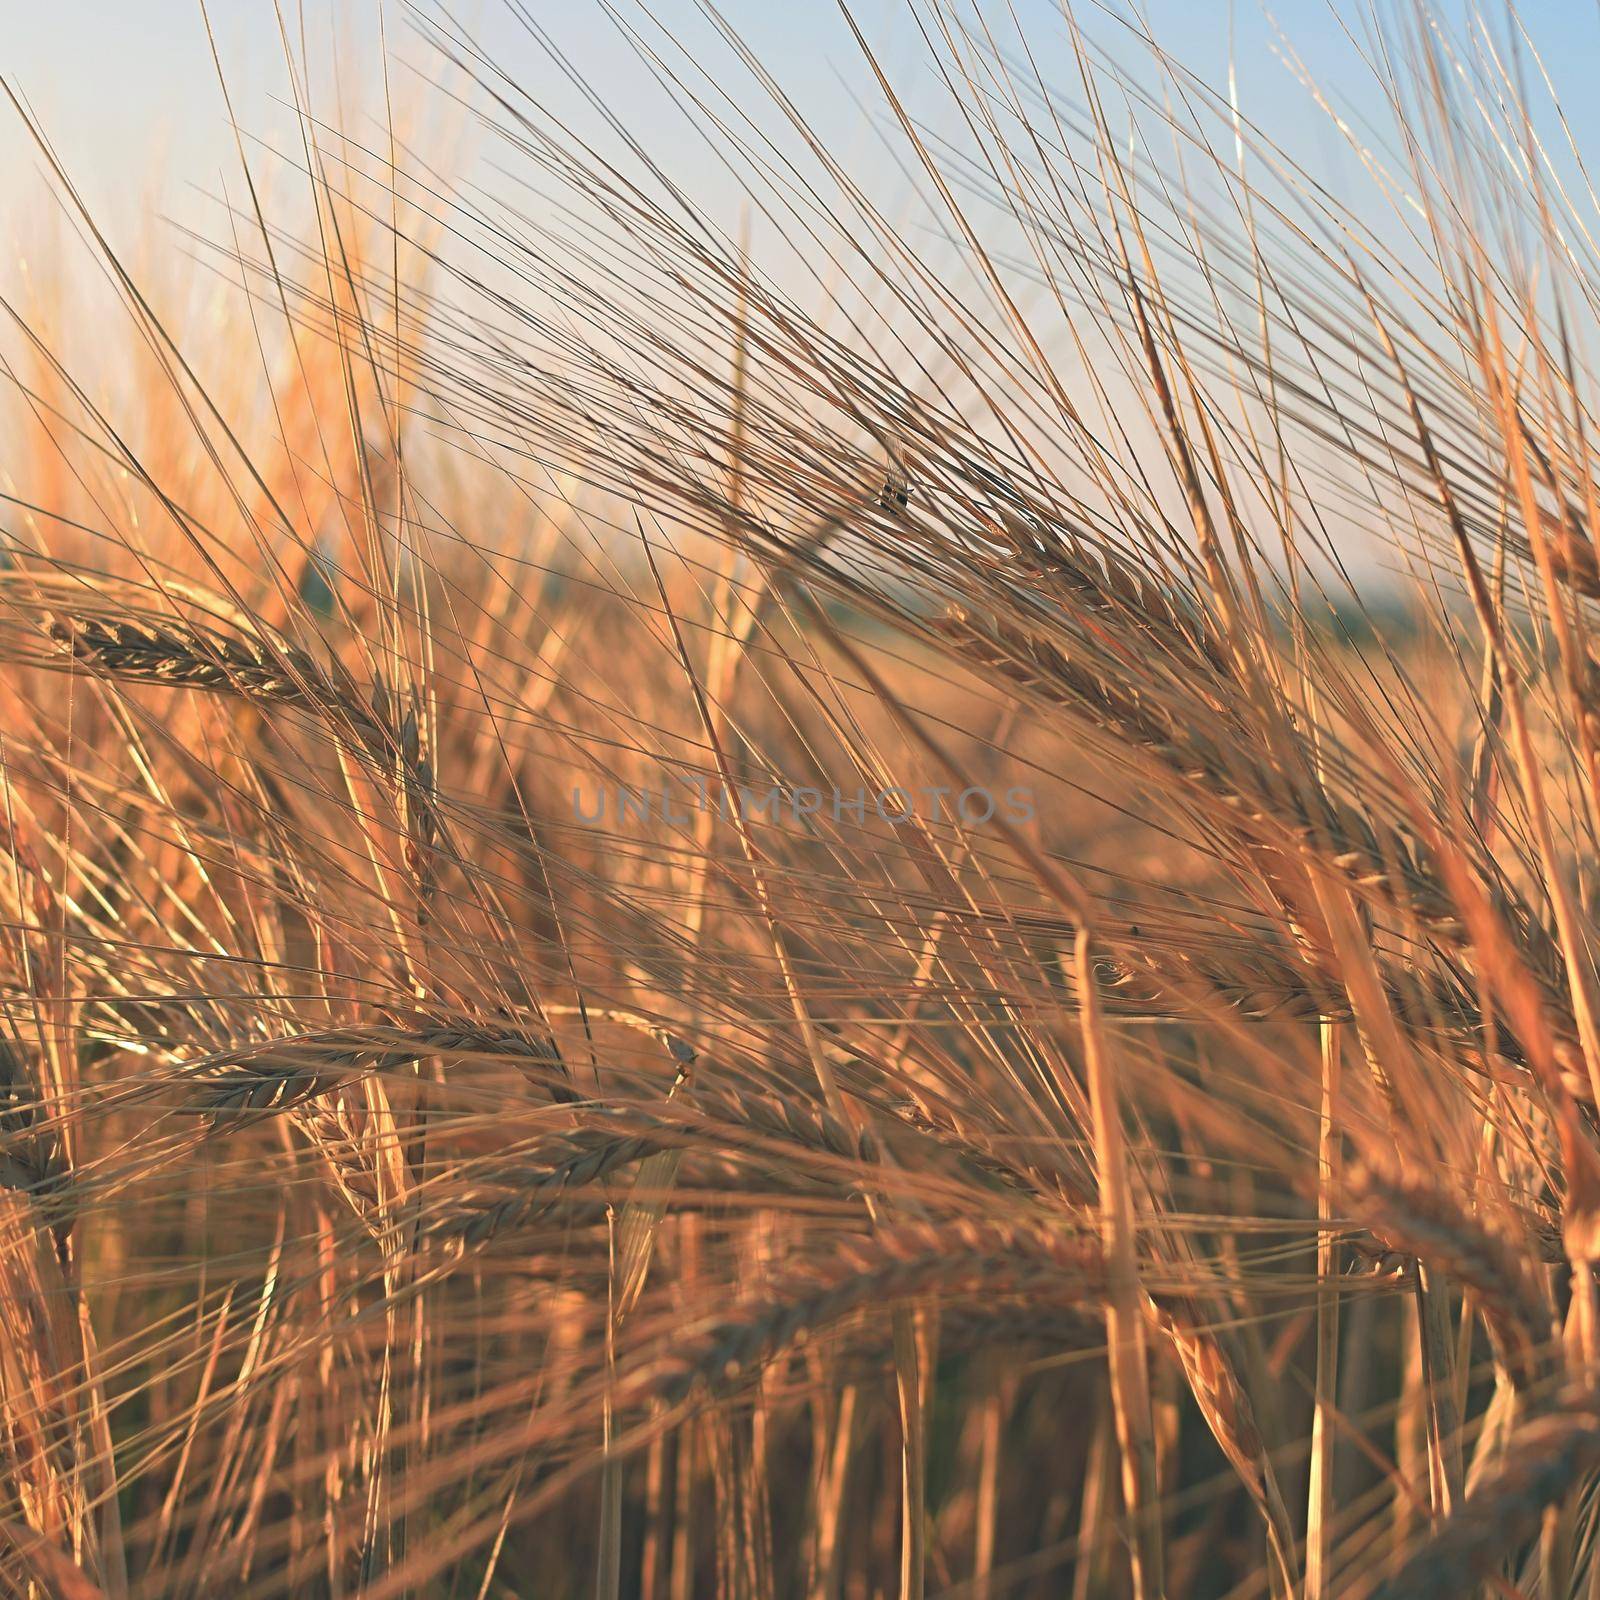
column 1543, row 1461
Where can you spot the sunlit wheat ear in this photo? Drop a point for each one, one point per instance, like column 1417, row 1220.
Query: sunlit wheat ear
column 1409, row 1212
column 183, row 656
column 1227, row 1410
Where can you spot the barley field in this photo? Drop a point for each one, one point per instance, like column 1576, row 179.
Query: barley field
column 883, row 888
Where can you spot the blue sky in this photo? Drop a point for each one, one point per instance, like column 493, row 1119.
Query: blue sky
column 128, row 94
